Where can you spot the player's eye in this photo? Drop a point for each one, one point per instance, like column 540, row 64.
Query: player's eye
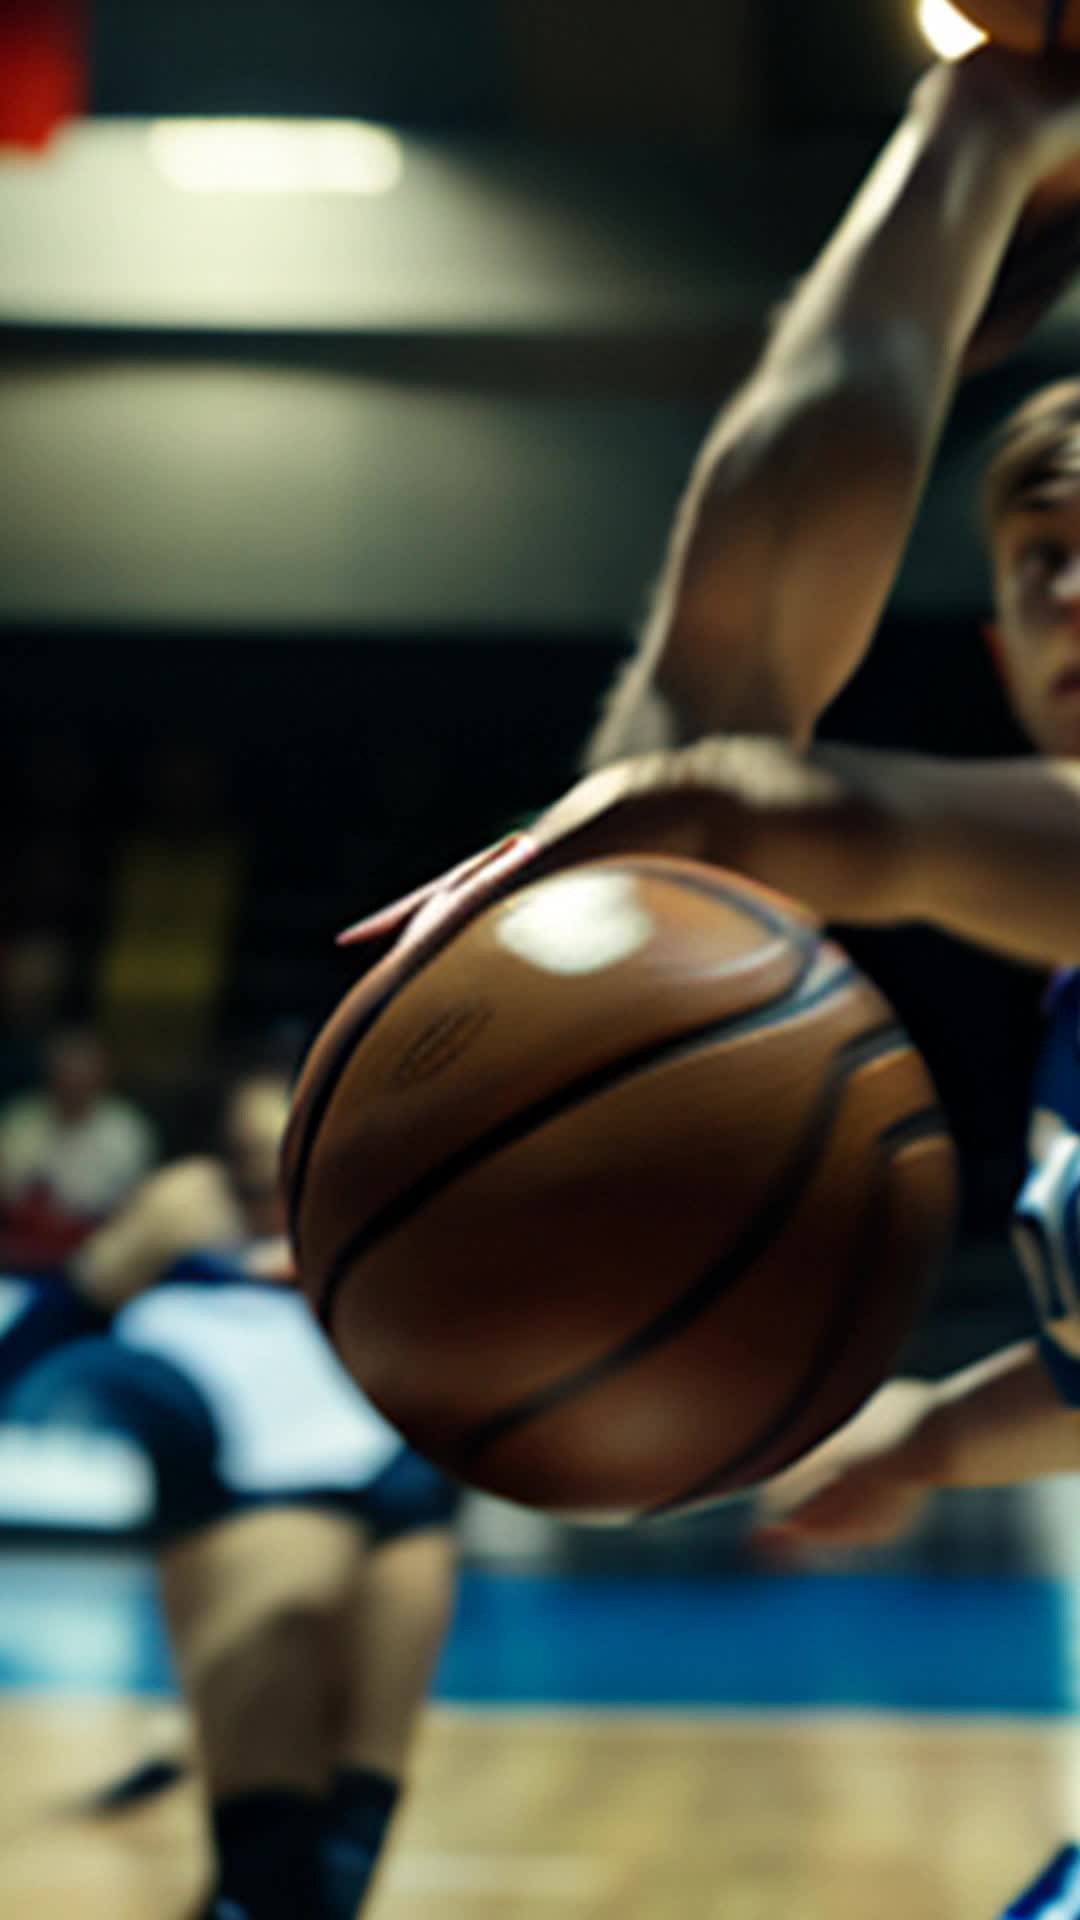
column 1042, row 559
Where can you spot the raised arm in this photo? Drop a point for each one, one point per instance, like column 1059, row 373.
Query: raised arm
column 787, row 541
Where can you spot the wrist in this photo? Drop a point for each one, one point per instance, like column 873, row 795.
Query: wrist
column 646, row 804
column 961, row 100
column 1000, row 109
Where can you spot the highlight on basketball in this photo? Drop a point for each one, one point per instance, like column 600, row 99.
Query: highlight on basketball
column 540, row 960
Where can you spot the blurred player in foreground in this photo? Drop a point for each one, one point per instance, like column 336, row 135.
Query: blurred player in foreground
column 305, row 1556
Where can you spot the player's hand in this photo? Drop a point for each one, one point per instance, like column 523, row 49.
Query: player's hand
column 864, row 1487
column 634, row 806
column 696, row 804
column 421, row 921
column 626, row 808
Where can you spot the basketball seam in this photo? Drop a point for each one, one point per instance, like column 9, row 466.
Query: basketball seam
column 757, row 911
column 510, row 1132
column 927, row 1124
column 769, row 1221
column 771, row 918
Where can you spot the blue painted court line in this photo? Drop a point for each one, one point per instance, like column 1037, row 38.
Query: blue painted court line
column 1002, row 1646
column 892, row 1643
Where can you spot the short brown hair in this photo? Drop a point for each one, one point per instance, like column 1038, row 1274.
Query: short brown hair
column 1037, row 456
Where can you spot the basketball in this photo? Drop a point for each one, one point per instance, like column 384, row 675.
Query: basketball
column 626, row 1198
column 1030, row 26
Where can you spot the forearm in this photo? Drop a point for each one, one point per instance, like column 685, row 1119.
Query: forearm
column 996, row 1424
column 992, row 853
column 796, row 515
column 907, row 272
column 987, row 850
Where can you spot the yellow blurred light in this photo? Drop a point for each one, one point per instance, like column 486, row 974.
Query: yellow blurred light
column 276, row 156
column 950, row 34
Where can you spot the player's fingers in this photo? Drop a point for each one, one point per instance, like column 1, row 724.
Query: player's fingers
column 789, row 1492
column 849, row 1506
column 392, row 919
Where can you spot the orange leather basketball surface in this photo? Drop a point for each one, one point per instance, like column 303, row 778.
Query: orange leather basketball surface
column 626, row 1198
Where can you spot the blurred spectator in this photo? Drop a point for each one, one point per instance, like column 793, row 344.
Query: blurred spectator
column 35, row 979
column 68, row 1155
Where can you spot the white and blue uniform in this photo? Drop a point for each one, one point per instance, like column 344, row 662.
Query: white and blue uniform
column 1046, row 1220
column 231, row 1391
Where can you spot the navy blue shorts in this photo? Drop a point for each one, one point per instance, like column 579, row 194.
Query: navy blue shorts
column 98, row 1386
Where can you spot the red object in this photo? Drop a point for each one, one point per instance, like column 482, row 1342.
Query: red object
column 37, row 1233
column 44, row 69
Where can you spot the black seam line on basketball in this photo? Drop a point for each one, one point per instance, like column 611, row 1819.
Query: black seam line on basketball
column 758, row 911
column 837, row 1335
column 347, row 1046
column 510, row 1132
column 713, row 888
column 519, row 1126
column 927, row 1124
column 769, row 1221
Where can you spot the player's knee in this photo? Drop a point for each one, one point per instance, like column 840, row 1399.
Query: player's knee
column 288, row 1628
column 244, row 1677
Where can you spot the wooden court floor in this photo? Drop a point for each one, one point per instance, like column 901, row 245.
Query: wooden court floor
column 621, row 1817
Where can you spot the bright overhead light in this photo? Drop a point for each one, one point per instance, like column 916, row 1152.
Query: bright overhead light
column 949, row 32
column 276, row 156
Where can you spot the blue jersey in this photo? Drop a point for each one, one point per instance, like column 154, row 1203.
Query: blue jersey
column 1046, row 1221
column 1056, row 1088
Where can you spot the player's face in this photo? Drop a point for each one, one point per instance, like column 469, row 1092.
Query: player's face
column 1036, row 639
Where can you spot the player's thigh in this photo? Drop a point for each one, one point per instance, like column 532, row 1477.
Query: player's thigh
column 390, row 1639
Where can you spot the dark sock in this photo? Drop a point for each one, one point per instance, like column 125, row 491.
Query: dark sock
column 267, row 1851
column 134, row 1789
column 355, row 1818
column 1048, row 1896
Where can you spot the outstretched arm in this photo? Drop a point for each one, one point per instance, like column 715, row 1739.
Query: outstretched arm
column 988, row 850
column 788, row 538
column 995, row 1424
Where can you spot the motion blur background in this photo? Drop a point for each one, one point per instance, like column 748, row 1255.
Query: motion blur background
column 337, row 461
